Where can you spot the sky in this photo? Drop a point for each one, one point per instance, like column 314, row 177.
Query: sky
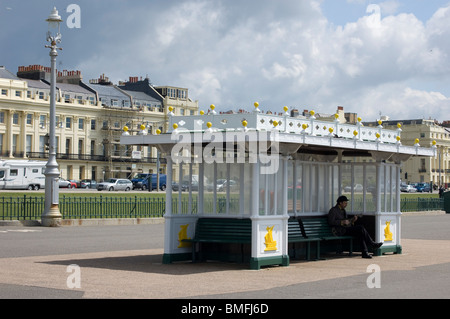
column 388, row 58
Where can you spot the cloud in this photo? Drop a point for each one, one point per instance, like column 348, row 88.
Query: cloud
column 231, row 53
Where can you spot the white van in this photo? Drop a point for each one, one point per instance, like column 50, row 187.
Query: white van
column 22, row 174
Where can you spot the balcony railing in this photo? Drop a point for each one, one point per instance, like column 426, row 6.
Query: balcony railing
column 95, row 158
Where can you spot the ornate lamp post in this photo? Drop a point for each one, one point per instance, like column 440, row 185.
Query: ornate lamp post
column 51, row 215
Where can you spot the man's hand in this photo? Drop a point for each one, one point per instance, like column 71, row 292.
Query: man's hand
column 345, row 222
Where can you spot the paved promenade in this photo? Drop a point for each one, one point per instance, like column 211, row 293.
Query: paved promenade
column 125, row 262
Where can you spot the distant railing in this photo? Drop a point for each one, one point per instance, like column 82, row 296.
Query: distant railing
column 31, row 207
column 421, row 204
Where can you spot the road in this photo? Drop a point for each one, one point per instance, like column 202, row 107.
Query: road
column 125, row 262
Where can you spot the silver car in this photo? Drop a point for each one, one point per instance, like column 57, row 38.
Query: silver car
column 63, row 183
column 115, row 184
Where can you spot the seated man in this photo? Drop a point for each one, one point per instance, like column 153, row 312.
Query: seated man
column 342, row 225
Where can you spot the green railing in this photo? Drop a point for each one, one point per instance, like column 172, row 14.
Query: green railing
column 31, row 207
column 421, row 204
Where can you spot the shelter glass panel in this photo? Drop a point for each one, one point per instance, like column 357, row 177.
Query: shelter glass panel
column 298, row 189
column 280, row 188
column 357, row 192
column 335, row 188
column 248, row 188
column 219, row 185
column 314, row 191
column 382, row 169
column 271, row 189
column 209, row 197
column 370, row 189
column 323, row 183
column 262, row 195
column 291, row 188
column 306, row 186
column 233, row 187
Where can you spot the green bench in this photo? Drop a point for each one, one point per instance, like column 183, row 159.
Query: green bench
column 297, row 235
column 318, row 228
column 308, row 230
column 221, row 231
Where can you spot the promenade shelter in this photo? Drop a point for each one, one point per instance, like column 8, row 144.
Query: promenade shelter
column 265, row 170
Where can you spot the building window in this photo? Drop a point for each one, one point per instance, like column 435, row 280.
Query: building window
column 67, row 146
column 93, row 123
column 15, row 118
column 92, row 147
column 42, row 120
column 41, row 95
column 29, row 139
column 29, row 119
column 2, row 117
column 182, row 94
column 15, row 138
column 42, row 144
column 80, row 146
column 81, row 124
column 68, row 122
column 18, row 94
column 4, row 92
column 67, row 98
column 29, row 94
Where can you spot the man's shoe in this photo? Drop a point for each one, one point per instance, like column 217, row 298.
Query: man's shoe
column 366, row 255
column 376, row 245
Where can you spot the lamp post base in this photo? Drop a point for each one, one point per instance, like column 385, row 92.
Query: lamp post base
column 53, row 218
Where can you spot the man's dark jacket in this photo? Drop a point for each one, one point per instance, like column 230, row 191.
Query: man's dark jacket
column 335, row 216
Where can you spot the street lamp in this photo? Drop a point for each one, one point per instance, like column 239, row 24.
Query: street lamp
column 51, row 215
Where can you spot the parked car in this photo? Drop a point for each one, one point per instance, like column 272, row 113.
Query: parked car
column 193, row 186
column 143, row 181
column 407, row 188
column 64, row 183
column 115, row 184
column 423, row 187
column 403, row 187
column 88, row 183
column 73, row 183
column 357, row 189
column 222, row 185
